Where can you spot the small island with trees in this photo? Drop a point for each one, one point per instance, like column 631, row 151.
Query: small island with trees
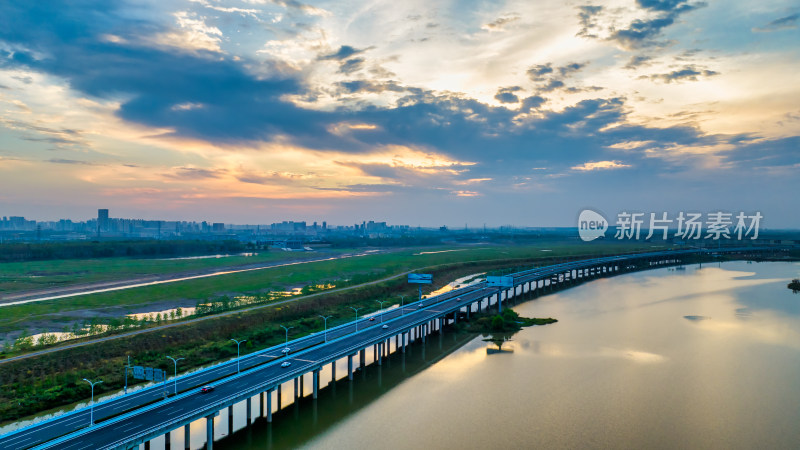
column 794, row 285
column 509, row 321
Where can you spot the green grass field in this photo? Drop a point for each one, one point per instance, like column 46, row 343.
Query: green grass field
column 58, row 312
column 25, row 276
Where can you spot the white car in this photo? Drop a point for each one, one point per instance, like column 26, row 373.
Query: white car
column 385, row 327
column 286, row 364
column 285, row 350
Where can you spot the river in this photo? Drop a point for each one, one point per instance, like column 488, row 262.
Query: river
column 706, row 357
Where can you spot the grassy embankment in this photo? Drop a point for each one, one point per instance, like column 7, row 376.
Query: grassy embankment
column 50, row 380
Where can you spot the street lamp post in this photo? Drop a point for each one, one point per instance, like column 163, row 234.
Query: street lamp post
column 325, row 318
column 381, row 302
column 356, row 310
column 91, row 410
column 286, row 345
column 402, row 308
column 175, row 378
column 238, row 343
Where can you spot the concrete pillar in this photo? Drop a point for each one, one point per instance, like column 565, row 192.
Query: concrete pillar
column 167, row 443
column 455, row 317
column 315, row 382
column 333, row 372
column 209, row 432
column 375, row 352
column 147, row 445
column 380, row 353
column 403, row 338
column 396, row 342
column 302, row 387
column 269, row 405
column 441, row 329
column 296, row 381
column 187, row 437
column 278, row 397
column 424, row 329
column 249, row 409
column 230, row 420
column 350, row 367
column 363, row 358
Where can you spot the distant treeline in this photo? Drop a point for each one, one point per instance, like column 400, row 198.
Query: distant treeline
column 17, row 252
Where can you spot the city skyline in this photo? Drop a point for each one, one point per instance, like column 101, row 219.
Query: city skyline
column 499, row 113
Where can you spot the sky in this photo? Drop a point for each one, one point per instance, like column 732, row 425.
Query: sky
column 458, row 113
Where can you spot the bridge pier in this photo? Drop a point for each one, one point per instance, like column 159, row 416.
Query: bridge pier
column 333, row 371
column 315, row 382
column 350, row 367
column 269, row 406
column 363, row 357
column 295, row 389
column 147, row 445
column 279, row 396
column 302, row 382
column 167, row 443
column 379, row 357
column 187, row 437
column 210, row 432
column 249, row 410
column 261, row 403
column 230, row 420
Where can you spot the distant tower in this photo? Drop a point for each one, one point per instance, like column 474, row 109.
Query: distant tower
column 102, row 219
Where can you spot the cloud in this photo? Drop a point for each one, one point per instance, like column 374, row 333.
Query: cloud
column 688, row 73
column 599, row 165
column 551, row 78
column 192, row 35
column 665, row 5
column 194, row 173
column 506, row 95
column 637, row 61
column 538, row 72
column 640, row 32
column 784, row 23
column 344, row 52
column 533, row 102
column 501, row 23
column 70, row 162
column 374, row 87
column 351, row 65
column 587, row 16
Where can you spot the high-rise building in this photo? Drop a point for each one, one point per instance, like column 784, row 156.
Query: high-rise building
column 102, row 220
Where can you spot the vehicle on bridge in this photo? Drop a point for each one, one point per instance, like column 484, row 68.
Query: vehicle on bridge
column 206, row 389
column 286, row 364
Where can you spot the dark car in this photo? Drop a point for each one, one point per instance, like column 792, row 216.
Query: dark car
column 206, row 389
column 371, row 319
